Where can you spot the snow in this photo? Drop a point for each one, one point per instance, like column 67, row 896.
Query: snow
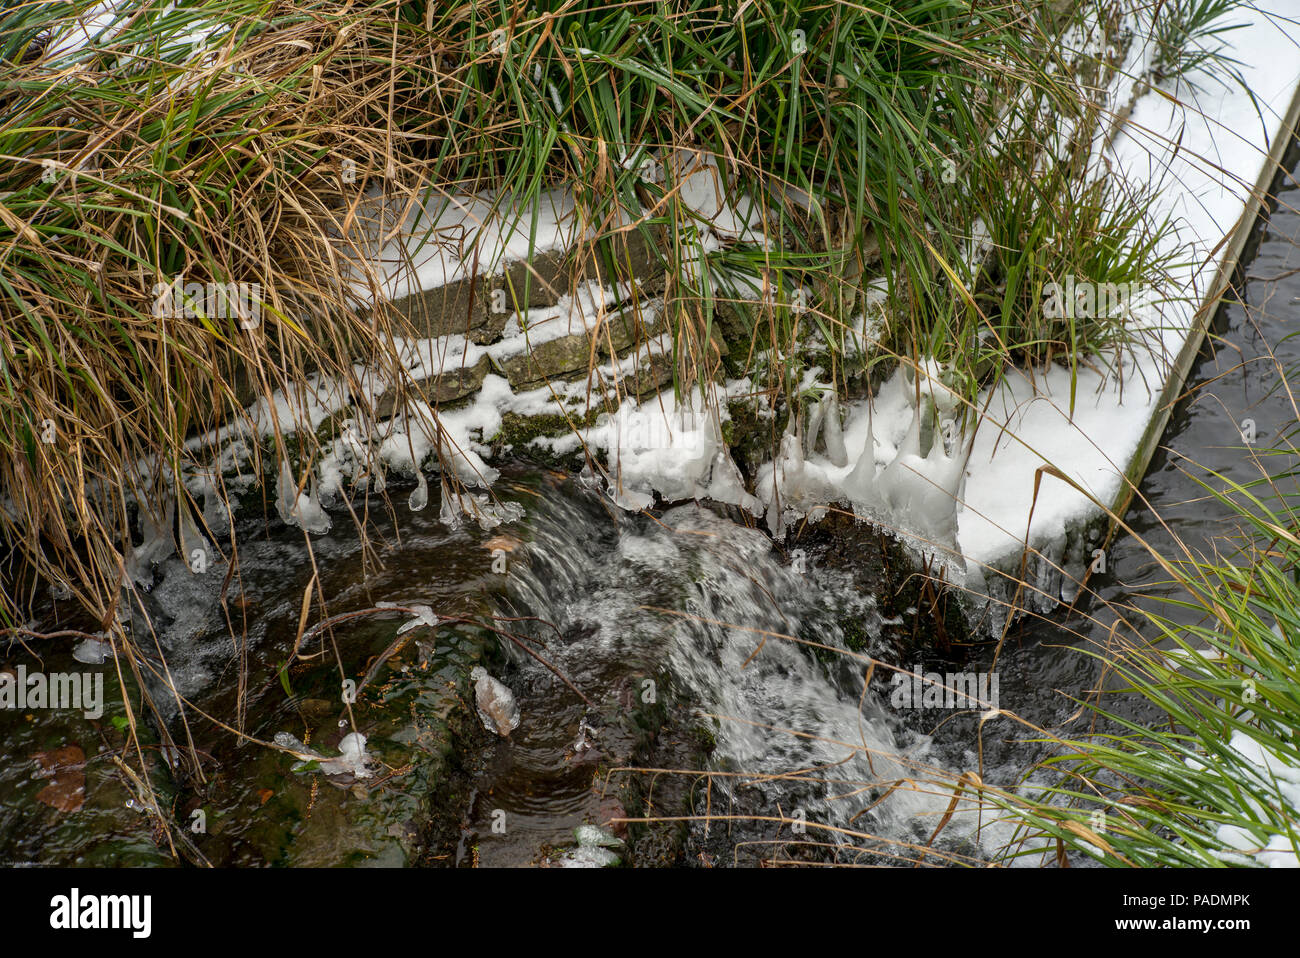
column 1203, row 155
column 1204, row 167
column 452, row 237
column 1272, row 774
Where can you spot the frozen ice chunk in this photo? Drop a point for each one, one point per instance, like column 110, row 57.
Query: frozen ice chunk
column 423, row 616
column 92, row 651
column 299, row 508
column 353, row 759
column 496, row 704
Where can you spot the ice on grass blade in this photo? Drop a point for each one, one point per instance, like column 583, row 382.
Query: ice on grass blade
column 158, row 544
column 450, row 512
column 92, row 651
column 419, row 497
column 353, row 759
column 296, row 508
column 423, row 615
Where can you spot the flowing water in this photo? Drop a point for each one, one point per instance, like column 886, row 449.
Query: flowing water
column 679, row 668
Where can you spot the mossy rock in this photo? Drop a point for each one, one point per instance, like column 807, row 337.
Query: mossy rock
column 517, row 433
column 882, row 565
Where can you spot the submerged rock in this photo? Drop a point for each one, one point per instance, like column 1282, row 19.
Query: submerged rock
column 593, row 851
column 496, row 703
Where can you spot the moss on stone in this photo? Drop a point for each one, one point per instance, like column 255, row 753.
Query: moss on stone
column 517, row 433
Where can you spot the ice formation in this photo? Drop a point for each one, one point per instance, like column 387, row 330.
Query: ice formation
column 423, row 616
column 353, row 759
column 496, row 704
column 299, row 508
column 92, row 651
column 670, row 449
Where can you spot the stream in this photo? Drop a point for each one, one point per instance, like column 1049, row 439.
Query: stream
column 678, row 676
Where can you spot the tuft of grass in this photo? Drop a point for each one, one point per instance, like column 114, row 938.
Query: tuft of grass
column 151, row 147
column 1190, row 37
column 1215, row 778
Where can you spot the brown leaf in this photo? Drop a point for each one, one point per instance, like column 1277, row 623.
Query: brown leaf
column 66, row 769
column 507, row 543
column 51, row 762
column 263, row 795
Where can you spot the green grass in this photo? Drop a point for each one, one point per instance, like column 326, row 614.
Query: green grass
column 1218, row 663
column 1191, row 38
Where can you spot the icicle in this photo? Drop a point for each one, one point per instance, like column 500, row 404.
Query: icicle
column 419, row 497
column 792, row 464
column 450, row 513
column 897, row 478
column 815, row 418
column 286, row 494
column 196, row 553
column 861, row 482
column 158, row 543
column 216, row 511
column 778, row 482
column 931, row 509
column 935, row 500
column 775, row 524
column 726, row 484
column 835, row 450
column 298, row 508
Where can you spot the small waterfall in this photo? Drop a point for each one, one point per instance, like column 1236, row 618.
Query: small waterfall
column 706, row 600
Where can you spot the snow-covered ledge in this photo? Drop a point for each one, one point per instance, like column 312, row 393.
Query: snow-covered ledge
column 1037, row 475
column 1212, row 158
